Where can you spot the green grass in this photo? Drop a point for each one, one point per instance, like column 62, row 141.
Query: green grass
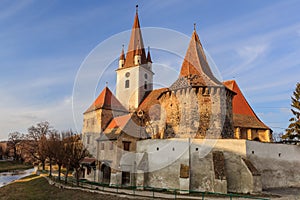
column 40, row 189
column 12, row 165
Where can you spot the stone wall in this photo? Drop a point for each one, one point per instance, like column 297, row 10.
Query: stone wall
column 250, row 166
column 277, row 163
column 196, row 112
column 240, row 178
column 93, row 124
column 165, row 161
column 112, row 153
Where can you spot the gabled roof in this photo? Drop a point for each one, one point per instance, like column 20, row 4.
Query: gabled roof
column 243, row 114
column 114, row 128
column 136, row 44
column 106, row 100
column 195, row 70
column 126, row 124
column 118, row 122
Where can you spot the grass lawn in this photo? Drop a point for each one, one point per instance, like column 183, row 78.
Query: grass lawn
column 12, row 165
column 36, row 187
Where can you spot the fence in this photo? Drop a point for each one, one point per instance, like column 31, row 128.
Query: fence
column 152, row 192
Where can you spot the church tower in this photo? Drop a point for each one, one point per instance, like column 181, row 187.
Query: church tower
column 134, row 74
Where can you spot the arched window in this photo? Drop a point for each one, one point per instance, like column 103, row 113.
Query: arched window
column 145, row 85
column 127, row 84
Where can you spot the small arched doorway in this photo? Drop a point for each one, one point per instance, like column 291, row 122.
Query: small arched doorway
column 105, row 170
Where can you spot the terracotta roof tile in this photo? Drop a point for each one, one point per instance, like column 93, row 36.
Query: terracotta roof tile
column 106, row 100
column 135, row 43
column 119, row 122
column 126, row 124
column 150, row 101
column 243, row 114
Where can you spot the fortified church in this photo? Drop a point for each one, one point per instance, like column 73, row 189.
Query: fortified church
column 158, row 137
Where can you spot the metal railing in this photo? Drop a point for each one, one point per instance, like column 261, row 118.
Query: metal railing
column 152, row 192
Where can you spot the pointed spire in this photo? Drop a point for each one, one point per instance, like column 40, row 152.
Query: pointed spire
column 148, row 55
column 122, row 56
column 195, row 62
column 138, row 50
column 135, row 44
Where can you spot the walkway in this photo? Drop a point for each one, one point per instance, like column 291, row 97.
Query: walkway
column 133, row 194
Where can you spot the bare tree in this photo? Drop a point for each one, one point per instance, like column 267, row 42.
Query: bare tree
column 54, row 150
column 13, row 140
column 37, row 142
column 75, row 152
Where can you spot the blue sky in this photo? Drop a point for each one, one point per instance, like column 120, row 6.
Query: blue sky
column 44, row 43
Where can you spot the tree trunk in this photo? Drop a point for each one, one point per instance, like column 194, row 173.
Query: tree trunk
column 66, row 175
column 50, row 171
column 15, row 153
column 59, row 170
column 43, row 164
column 77, row 177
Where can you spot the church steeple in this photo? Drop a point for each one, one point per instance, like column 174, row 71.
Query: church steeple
column 134, row 75
column 136, row 44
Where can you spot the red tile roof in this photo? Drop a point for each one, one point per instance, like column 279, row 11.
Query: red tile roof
column 119, row 122
column 87, row 160
column 106, row 100
column 244, row 116
column 151, row 100
column 136, row 44
column 126, row 124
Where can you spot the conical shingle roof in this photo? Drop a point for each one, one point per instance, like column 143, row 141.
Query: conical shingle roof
column 195, row 70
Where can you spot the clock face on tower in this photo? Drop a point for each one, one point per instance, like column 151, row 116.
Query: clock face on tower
column 127, row 74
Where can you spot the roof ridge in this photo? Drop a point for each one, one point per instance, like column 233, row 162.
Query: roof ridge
column 106, row 100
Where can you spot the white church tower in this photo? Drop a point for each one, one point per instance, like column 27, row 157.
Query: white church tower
column 134, row 74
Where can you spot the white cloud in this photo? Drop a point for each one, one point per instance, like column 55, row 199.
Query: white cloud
column 247, row 55
column 251, row 52
column 15, row 117
column 12, row 8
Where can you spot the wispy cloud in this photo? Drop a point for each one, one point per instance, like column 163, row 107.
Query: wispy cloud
column 10, row 8
column 248, row 55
